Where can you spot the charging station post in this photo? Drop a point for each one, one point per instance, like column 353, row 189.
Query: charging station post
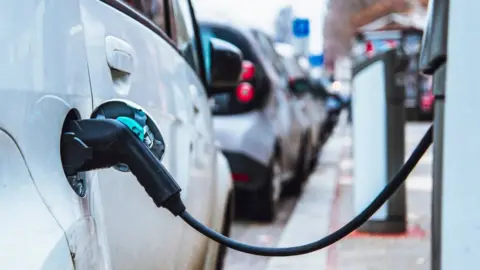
column 432, row 62
column 378, row 139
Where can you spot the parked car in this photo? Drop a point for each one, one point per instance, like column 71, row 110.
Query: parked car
column 313, row 107
column 255, row 126
column 335, row 102
column 68, row 60
column 300, row 118
column 427, row 102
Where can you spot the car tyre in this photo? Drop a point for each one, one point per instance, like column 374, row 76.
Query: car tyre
column 294, row 187
column 266, row 198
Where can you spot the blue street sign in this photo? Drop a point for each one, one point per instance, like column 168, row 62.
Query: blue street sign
column 301, row 28
column 316, row 60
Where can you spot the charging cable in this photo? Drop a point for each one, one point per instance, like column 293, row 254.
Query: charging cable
column 330, row 239
column 106, row 142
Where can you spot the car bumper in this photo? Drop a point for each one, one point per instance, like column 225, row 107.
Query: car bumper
column 248, row 174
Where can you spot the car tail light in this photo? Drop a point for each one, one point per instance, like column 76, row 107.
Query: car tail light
column 248, row 70
column 369, row 48
column 391, row 44
column 240, row 177
column 427, row 100
column 245, row 92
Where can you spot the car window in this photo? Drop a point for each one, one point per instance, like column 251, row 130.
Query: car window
column 185, row 33
column 152, row 9
column 268, row 49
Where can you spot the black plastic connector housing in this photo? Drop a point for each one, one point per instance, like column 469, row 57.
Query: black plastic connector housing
column 111, row 142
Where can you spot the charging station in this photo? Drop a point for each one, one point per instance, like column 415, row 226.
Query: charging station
column 451, row 39
column 378, row 139
column 432, row 59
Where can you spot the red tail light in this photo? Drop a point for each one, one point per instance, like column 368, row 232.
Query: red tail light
column 391, row 43
column 248, row 70
column 369, row 48
column 240, row 177
column 245, row 92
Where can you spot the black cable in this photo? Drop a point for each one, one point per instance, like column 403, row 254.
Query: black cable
column 330, row 239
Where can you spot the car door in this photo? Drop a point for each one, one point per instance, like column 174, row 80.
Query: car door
column 200, row 200
column 288, row 107
column 130, row 57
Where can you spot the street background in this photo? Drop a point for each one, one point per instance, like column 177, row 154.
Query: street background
column 326, row 204
column 327, row 200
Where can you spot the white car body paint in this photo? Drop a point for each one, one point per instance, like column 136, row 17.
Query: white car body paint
column 59, row 57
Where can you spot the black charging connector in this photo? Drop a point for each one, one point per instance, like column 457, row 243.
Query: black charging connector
column 101, row 143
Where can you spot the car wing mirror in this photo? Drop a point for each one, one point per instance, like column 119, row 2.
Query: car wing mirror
column 225, row 67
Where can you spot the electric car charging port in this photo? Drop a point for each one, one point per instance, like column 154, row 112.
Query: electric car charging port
column 150, row 134
column 69, row 147
column 79, row 156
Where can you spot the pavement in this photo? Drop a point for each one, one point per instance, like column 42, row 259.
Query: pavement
column 256, row 233
column 326, row 205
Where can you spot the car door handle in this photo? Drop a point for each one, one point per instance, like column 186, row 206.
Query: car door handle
column 119, row 54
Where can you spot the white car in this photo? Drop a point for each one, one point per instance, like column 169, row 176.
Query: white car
column 68, row 60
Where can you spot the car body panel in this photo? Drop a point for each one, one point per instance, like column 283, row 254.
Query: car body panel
column 250, row 133
column 58, row 58
column 222, row 197
column 200, row 201
column 293, row 123
column 157, row 83
column 23, row 248
column 45, row 74
column 313, row 108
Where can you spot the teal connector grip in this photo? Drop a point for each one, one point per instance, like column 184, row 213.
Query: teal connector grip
column 134, row 126
column 140, row 117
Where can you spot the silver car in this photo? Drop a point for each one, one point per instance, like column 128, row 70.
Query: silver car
column 260, row 130
column 313, row 106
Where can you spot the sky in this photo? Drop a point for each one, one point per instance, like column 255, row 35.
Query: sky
column 261, row 13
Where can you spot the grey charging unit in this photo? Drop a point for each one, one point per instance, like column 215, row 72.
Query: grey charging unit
column 432, row 59
column 379, row 138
